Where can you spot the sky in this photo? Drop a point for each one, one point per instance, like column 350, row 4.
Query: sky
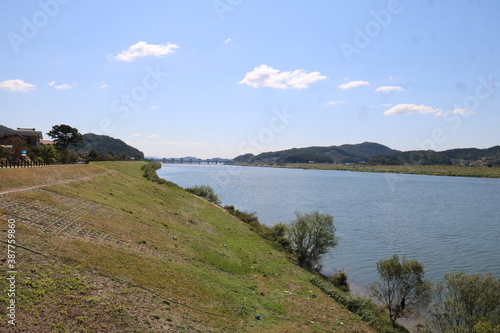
column 221, row 78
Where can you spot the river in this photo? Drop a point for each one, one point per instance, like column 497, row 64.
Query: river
column 449, row 224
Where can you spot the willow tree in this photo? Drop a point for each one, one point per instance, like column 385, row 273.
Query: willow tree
column 311, row 236
column 401, row 290
column 466, row 303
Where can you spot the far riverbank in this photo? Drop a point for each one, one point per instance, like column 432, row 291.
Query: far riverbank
column 431, row 170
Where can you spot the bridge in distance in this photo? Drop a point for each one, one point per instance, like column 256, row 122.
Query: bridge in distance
column 191, row 161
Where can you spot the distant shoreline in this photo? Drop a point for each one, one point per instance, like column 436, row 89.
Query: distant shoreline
column 431, row 170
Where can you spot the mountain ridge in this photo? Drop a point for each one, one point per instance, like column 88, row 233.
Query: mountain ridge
column 106, row 145
column 347, row 153
column 375, row 153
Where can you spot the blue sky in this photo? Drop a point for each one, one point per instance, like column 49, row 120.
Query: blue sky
column 221, row 78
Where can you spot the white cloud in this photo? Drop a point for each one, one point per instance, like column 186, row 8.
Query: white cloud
column 61, row 86
column 412, row 108
column 462, row 112
column 103, row 85
column 65, row 86
column 153, row 136
column 266, row 76
column 334, row 103
column 154, row 107
column 353, row 84
column 227, row 41
column 16, row 85
column 136, row 135
column 424, row 109
column 142, row 49
column 389, row 88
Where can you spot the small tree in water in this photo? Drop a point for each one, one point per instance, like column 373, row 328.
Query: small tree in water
column 311, row 236
column 401, row 289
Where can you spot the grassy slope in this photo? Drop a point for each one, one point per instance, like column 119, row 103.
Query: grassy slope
column 434, row 170
column 110, row 231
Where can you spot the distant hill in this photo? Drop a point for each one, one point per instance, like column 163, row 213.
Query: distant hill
column 347, row 153
column 102, row 147
column 459, row 156
column 375, row 153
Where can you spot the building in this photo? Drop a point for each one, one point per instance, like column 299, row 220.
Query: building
column 31, row 135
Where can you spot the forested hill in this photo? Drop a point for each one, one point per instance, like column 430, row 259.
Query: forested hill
column 374, row 153
column 459, row 156
column 347, row 153
column 98, row 146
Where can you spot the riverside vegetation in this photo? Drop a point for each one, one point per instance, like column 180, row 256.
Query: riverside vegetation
column 106, row 250
column 461, row 303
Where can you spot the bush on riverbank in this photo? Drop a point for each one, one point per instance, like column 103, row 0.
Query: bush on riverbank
column 466, row 303
column 150, row 174
column 339, row 280
column 275, row 234
column 366, row 309
column 206, row 192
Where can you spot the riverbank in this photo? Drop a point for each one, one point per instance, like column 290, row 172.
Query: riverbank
column 100, row 248
column 432, row 170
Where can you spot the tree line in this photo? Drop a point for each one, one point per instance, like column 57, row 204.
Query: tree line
column 460, row 303
column 69, row 147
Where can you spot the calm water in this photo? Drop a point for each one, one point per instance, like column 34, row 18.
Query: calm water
column 449, row 224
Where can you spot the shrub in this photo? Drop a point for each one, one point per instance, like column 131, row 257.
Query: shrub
column 150, row 174
column 249, row 218
column 311, row 236
column 366, row 309
column 339, row 280
column 466, row 303
column 278, row 232
column 401, row 288
column 274, row 235
column 205, row 191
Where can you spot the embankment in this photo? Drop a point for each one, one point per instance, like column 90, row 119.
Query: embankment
column 101, row 249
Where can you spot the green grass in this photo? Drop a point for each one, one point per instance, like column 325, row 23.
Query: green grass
column 139, row 256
